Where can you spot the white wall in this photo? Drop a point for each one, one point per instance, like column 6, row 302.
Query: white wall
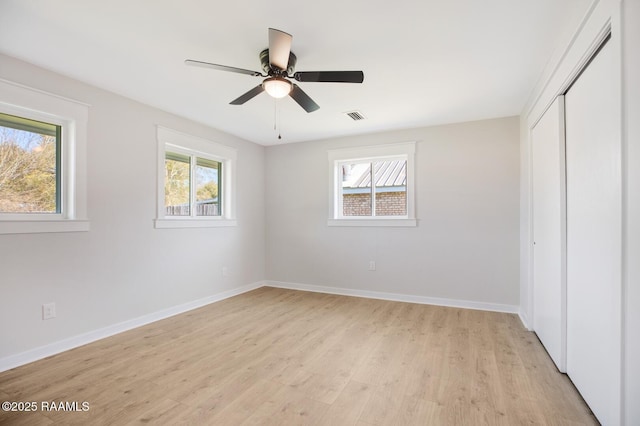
column 123, row 268
column 467, row 200
column 631, row 136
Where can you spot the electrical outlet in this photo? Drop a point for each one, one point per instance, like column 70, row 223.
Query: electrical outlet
column 225, row 271
column 372, row 265
column 48, row 311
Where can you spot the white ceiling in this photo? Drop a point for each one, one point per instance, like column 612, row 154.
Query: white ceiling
column 425, row 62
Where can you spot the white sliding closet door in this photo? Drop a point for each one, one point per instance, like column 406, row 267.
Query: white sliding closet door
column 594, row 237
column 549, row 286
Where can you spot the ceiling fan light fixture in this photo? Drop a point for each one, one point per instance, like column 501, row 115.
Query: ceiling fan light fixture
column 277, row 87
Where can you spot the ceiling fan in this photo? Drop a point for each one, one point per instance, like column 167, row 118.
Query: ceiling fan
column 278, row 63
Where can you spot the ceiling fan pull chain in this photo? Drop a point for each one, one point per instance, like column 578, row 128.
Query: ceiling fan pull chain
column 278, row 127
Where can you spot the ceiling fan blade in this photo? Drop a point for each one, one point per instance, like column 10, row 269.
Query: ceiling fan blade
column 330, row 76
column 279, row 48
column 249, row 95
column 303, row 99
column 221, row 67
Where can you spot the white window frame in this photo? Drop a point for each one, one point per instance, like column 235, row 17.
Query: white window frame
column 339, row 157
column 72, row 116
column 173, row 141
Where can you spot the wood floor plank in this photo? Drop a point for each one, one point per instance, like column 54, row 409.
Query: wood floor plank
column 276, row 356
column 164, row 411
column 25, row 419
column 382, row 407
column 243, row 407
column 288, row 407
column 347, row 408
column 418, row 412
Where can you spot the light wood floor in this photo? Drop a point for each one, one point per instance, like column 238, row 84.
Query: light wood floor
column 284, row 357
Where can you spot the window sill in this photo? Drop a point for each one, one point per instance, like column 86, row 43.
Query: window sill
column 42, row 226
column 194, row 223
column 373, row 222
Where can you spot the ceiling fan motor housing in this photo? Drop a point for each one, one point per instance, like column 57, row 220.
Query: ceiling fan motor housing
column 266, row 66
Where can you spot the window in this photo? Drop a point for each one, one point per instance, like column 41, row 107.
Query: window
column 29, row 165
column 42, row 162
column 195, row 182
column 372, row 186
column 181, row 198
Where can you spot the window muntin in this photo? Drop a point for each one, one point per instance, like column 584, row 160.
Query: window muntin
column 29, row 165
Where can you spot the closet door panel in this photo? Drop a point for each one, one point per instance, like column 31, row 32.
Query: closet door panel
column 594, row 238
column 549, row 285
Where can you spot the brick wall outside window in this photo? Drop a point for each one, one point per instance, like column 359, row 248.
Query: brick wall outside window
column 387, row 204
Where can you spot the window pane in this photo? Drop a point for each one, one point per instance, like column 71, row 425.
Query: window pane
column 391, row 187
column 176, row 184
column 29, row 165
column 208, row 173
column 356, row 189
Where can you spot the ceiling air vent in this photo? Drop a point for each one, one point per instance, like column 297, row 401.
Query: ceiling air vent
column 355, row 115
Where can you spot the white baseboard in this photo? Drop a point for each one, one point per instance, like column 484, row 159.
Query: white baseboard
column 35, row 354
column 524, row 319
column 454, row 303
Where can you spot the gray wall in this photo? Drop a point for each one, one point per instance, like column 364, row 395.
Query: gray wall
column 123, row 268
column 467, row 204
